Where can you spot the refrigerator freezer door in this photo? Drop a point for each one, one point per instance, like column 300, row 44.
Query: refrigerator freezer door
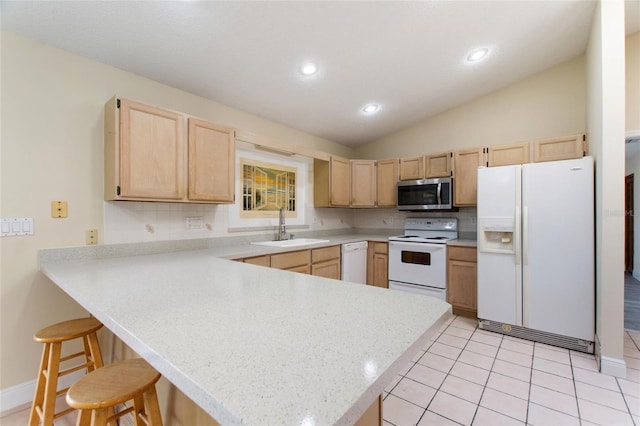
column 559, row 247
column 499, row 272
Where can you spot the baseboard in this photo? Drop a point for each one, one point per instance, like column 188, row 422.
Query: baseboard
column 613, row 367
column 22, row 393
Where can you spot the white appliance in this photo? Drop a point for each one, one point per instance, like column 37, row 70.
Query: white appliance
column 354, row 262
column 418, row 258
column 536, row 252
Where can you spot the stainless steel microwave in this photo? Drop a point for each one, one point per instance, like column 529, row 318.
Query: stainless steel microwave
column 425, row 194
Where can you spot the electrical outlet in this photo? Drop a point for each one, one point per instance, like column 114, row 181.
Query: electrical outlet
column 390, row 220
column 473, row 221
column 91, row 237
column 194, row 222
column 58, row 209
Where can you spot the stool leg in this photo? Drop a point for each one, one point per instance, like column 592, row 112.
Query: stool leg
column 138, row 410
column 153, row 409
column 51, row 387
column 94, row 349
column 84, row 418
column 38, row 398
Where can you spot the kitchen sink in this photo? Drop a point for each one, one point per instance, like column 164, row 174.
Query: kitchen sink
column 290, row 243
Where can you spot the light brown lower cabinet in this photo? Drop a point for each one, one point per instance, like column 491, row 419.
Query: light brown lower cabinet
column 322, row 262
column 462, row 277
column 296, row 261
column 378, row 264
column 258, row 260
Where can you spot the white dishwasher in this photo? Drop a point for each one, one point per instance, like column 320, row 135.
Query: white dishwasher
column 354, row 262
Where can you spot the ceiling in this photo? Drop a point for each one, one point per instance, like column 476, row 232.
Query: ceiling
column 408, row 57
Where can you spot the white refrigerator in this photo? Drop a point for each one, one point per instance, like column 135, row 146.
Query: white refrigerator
column 536, row 252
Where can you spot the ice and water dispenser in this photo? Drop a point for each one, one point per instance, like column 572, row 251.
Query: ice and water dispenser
column 497, row 234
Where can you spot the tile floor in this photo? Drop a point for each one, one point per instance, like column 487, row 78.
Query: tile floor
column 470, row 376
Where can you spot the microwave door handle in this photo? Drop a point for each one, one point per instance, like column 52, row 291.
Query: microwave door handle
column 439, row 194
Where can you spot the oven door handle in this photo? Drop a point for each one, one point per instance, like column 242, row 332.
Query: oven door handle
column 439, row 194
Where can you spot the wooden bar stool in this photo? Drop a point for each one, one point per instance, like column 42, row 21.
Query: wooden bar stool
column 44, row 401
column 103, row 389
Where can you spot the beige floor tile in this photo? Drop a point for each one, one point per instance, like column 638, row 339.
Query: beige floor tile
column 552, row 367
column 515, row 357
column 492, row 339
column 414, row 392
column 629, row 388
column 453, row 408
column 486, row 417
column 633, row 375
column 400, row 412
column 417, row 356
column 602, row 415
column 609, row 398
column 426, row 376
column 551, row 381
column 636, row 420
column 386, row 423
column 634, row 404
column 584, row 362
column 463, row 322
column 595, row 378
column 432, row 419
column 543, row 416
column 436, row 362
column 462, row 389
column 516, row 346
column 555, row 400
column 469, row 372
column 512, row 370
column 477, row 360
column 504, row 404
column 448, row 339
column 464, row 333
column 633, row 363
column 581, row 354
column 509, row 385
column 631, row 352
column 428, row 345
column 552, row 355
column 445, row 350
column 482, row 348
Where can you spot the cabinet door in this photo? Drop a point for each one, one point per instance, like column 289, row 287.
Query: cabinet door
column 564, row 148
column 291, row 260
column 411, row 168
column 211, row 162
column 380, row 270
column 506, row 155
column 438, row 165
column 363, row 183
column 386, row 182
column 152, row 152
column 465, row 180
column 462, row 287
column 302, row 269
column 327, row 269
column 339, row 177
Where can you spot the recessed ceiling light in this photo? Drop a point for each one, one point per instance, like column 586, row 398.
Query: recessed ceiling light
column 477, row 54
column 370, row 108
column 309, row 68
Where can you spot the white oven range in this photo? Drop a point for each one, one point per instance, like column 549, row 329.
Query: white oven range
column 418, row 259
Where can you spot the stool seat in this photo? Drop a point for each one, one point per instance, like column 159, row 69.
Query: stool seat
column 104, row 388
column 67, row 330
column 52, row 337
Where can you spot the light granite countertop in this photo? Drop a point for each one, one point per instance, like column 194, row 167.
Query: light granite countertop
column 250, row 345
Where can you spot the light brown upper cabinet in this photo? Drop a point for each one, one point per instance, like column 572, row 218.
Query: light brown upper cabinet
column 506, row 155
column 563, row 148
column 386, row 180
column 438, row 165
column 331, row 182
column 147, row 157
column 363, row 183
column 211, row 162
column 465, row 182
column 412, row 168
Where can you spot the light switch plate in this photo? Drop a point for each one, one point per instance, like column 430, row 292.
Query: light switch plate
column 17, row 226
column 58, row 209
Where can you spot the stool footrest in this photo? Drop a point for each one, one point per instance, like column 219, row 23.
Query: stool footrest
column 68, row 357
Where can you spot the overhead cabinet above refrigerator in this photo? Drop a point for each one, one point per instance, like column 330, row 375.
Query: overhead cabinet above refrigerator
column 536, row 252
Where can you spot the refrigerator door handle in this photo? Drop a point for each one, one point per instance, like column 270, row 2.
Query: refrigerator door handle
column 516, row 237
column 525, row 266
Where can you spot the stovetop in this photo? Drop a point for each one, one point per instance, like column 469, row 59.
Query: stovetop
column 428, row 230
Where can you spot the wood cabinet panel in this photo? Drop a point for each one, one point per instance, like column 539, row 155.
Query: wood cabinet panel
column 151, row 152
column 325, row 253
column 259, row 260
column 438, row 165
column 331, row 182
column 462, row 273
column 562, row 148
column 211, row 162
column 506, row 155
column 467, row 254
column 302, row 269
column 378, row 264
column 327, row 269
column 466, row 163
column 411, row 168
column 386, row 182
column 373, row 415
column 363, row 183
column 291, row 259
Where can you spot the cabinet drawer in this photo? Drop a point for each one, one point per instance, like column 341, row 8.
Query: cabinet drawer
column 291, row 259
column 258, row 260
column 380, row 248
column 468, row 254
column 325, row 253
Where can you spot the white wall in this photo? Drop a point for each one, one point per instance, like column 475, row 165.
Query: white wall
column 632, row 82
column 51, row 149
column 605, row 122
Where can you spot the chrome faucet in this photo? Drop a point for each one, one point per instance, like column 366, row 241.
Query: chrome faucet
column 282, row 231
